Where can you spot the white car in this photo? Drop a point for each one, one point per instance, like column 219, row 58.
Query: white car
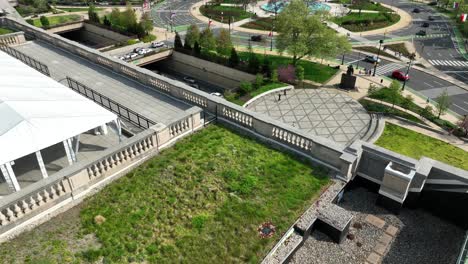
column 133, row 55
column 217, row 94
column 157, row 44
column 189, row 80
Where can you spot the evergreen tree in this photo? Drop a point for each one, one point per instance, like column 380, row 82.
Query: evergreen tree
column 44, row 21
column 196, row 48
column 177, row 41
column 234, row 58
column 106, row 21
column 92, row 15
column 192, row 36
column 266, row 67
column 207, row 40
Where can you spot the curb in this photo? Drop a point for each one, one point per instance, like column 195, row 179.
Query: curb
column 285, row 88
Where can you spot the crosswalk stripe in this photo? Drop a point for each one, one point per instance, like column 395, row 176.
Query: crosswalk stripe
column 451, row 63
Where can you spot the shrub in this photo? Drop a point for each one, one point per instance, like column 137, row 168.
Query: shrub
column 246, row 87
column 44, row 21
column 234, row 58
column 30, row 21
column 258, row 81
column 286, row 74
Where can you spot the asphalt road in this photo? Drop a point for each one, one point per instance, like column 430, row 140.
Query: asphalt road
column 437, row 47
column 425, row 84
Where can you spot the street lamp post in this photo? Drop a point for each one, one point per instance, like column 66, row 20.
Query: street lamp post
column 412, row 57
column 342, row 59
column 378, row 56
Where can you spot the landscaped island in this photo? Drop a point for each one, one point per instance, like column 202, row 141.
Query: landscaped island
column 200, row 201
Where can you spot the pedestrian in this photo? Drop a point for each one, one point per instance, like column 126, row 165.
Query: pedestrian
column 284, row 92
column 381, row 80
column 279, row 97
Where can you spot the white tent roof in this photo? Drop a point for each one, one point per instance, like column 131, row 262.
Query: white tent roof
column 37, row 112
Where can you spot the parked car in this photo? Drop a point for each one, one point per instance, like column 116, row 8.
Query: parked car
column 399, row 75
column 133, row 55
column 217, row 94
column 421, row 33
column 128, row 56
column 416, row 10
column 431, row 18
column 189, row 80
column 157, row 44
column 136, row 50
column 194, row 85
column 121, row 58
column 425, row 24
column 256, row 38
column 372, row 58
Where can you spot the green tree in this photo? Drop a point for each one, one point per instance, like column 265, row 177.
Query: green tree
column 44, row 21
column 266, row 66
column 177, row 41
column 107, row 21
column 258, row 81
column 253, row 63
column 223, row 42
column 300, row 73
column 92, row 14
column 301, row 34
column 196, row 48
column 234, row 58
column 128, row 18
column 114, row 17
column 443, row 103
column 394, row 93
column 192, row 35
column 207, row 39
column 146, row 23
column 30, row 21
column 274, row 76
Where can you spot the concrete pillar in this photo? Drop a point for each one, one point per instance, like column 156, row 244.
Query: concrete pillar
column 67, row 150
column 77, row 144
column 41, row 164
column 10, row 177
column 72, row 152
column 104, row 129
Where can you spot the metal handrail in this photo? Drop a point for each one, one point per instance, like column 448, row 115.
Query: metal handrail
column 122, row 111
column 39, row 66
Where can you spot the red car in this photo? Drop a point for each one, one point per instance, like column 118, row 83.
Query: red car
column 400, row 76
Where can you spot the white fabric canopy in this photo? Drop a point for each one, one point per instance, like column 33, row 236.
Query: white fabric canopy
column 37, row 112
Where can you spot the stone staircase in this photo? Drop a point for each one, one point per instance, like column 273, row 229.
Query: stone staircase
column 375, row 125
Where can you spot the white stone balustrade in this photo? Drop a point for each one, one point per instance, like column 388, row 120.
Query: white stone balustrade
column 15, row 38
column 237, row 116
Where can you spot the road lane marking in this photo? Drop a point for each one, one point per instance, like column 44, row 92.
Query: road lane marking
column 432, row 86
column 437, row 82
column 466, row 110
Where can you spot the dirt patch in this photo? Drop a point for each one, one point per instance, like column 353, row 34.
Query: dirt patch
column 56, row 241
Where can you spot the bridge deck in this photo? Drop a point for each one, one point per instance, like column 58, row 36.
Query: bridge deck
column 151, row 104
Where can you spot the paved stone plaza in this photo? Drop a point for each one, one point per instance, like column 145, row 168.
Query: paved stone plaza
column 321, row 112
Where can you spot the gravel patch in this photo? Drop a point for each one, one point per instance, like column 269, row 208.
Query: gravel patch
column 422, row 237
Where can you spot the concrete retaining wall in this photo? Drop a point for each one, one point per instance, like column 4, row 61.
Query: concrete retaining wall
column 214, row 73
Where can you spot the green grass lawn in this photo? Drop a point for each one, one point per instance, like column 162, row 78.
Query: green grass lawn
column 368, row 5
column 380, row 108
column 200, row 201
column 4, row 31
column 261, row 23
column 416, row 145
column 366, row 21
column 222, row 13
column 57, row 20
column 315, row 72
column 399, row 47
column 78, row 9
